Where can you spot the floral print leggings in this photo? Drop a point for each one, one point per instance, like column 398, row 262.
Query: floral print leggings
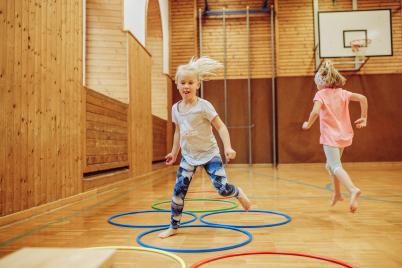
column 216, row 172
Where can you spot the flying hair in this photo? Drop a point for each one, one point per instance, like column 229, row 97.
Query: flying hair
column 329, row 75
column 201, row 67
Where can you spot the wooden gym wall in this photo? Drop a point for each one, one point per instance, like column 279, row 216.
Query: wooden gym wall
column 40, row 102
column 294, row 69
column 106, row 49
column 140, row 110
column 43, row 108
column 106, row 133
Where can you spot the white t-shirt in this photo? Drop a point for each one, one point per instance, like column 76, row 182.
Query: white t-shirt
column 197, row 141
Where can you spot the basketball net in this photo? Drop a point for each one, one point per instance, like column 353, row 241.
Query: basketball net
column 359, row 48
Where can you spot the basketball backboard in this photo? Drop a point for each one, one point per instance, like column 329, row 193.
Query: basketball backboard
column 337, row 30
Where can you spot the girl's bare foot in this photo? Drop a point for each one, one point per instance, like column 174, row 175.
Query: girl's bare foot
column 168, row 232
column 336, row 198
column 354, row 195
column 244, row 201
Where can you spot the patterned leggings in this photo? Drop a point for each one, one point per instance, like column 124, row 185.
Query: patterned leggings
column 216, row 172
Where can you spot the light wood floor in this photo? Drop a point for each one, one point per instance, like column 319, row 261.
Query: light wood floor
column 370, row 238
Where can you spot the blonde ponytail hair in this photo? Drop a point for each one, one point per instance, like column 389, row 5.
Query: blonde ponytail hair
column 201, row 67
column 329, row 75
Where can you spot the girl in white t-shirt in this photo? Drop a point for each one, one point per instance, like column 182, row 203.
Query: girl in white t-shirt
column 193, row 118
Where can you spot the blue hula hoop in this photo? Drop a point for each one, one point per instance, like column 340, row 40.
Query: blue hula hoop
column 110, row 220
column 249, row 235
column 288, row 219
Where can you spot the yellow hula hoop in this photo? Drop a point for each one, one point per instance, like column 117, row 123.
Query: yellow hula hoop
column 173, row 256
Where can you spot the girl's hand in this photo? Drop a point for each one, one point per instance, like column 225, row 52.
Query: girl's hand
column 361, row 122
column 230, row 154
column 305, row 125
column 170, row 159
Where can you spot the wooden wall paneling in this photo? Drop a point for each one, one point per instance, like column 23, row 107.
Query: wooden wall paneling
column 9, row 194
column 79, row 82
column 32, row 45
column 261, row 114
column 237, row 118
column 183, row 29
column 295, row 37
column 25, row 60
column 140, row 117
column 294, row 144
column 43, row 112
column 106, row 51
column 90, row 183
column 3, row 108
column 51, row 103
column 169, row 124
column 36, row 106
column 74, row 184
column 384, row 99
column 69, row 95
column 261, row 103
column 237, row 55
column 41, row 73
column 106, row 143
column 230, row 5
column 297, row 146
column 18, row 106
column 159, row 130
column 62, row 107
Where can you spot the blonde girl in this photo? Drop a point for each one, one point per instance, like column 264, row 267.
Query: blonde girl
column 331, row 104
column 193, row 117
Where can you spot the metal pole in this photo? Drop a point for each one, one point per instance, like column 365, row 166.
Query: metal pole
column 225, row 67
column 316, row 41
column 200, row 44
column 250, row 156
column 274, row 160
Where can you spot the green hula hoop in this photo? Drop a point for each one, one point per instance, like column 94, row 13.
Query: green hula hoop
column 232, row 203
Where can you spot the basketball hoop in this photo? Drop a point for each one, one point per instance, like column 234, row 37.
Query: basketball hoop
column 359, row 47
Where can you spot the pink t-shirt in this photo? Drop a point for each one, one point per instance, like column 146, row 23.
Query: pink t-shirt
column 335, row 126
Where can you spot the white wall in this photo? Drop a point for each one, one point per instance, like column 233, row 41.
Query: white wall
column 135, row 21
column 164, row 7
column 134, row 18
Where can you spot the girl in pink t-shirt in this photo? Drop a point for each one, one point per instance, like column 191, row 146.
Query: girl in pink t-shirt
column 331, row 104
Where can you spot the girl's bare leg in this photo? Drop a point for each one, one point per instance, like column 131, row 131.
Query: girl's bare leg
column 355, row 192
column 337, row 196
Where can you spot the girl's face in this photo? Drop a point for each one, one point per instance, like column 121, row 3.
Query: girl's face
column 188, row 85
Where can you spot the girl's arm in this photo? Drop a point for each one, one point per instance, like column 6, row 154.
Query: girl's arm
column 171, row 157
column 313, row 115
column 224, row 134
column 362, row 121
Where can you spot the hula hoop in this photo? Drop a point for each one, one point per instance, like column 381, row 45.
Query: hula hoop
column 233, row 204
column 288, row 219
column 208, row 191
column 208, row 260
column 248, row 240
column 110, row 220
column 170, row 255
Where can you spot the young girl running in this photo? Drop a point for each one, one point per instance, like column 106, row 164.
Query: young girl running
column 193, row 117
column 331, row 104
